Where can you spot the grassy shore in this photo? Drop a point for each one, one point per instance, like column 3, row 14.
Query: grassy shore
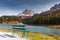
column 35, row 35
column 53, row 26
column 49, row 26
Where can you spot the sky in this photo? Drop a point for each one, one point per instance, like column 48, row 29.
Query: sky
column 14, row 7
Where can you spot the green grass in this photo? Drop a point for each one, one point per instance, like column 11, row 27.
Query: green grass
column 35, row 35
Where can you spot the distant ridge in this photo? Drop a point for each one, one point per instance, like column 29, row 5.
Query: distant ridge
column 55, row 7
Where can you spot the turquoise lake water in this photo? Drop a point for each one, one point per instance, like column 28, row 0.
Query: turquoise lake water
column 41, row 29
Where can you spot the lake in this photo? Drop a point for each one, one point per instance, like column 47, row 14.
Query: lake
column 41, row 29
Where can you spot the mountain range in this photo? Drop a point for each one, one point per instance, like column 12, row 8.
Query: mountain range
column 55, row 7
column 50, row 17
column 53, row 10
column 29, row 12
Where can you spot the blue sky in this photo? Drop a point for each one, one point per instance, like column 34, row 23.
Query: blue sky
column 14, row 7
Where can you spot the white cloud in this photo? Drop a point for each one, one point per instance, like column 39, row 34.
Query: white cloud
column 9, row 12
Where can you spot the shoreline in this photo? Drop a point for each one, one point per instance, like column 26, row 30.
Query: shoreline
column 35, row 35
column 48, row 26
column 53, row 26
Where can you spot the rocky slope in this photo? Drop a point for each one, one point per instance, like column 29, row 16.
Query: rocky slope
column 55, row 7
column 26, row 14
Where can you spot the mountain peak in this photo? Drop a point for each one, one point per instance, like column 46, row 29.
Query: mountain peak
column 28, row 11
column 55, row 7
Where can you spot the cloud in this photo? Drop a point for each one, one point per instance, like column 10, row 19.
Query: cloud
column 8, row 12
column 21, row 5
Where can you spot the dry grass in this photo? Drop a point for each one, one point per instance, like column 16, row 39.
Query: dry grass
column 33, row 36
column 54, row 26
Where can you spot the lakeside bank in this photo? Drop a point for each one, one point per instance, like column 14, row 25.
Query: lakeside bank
column 34, row 35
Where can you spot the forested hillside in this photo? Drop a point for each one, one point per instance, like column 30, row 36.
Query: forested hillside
column 50, row 17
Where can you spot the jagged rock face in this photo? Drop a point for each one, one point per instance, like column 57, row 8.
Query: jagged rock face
column 55, row 7
column 27, row 13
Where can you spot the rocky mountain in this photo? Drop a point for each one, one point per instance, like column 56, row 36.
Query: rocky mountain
column 49, row 17
column 27, row 13
column 55, row 7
